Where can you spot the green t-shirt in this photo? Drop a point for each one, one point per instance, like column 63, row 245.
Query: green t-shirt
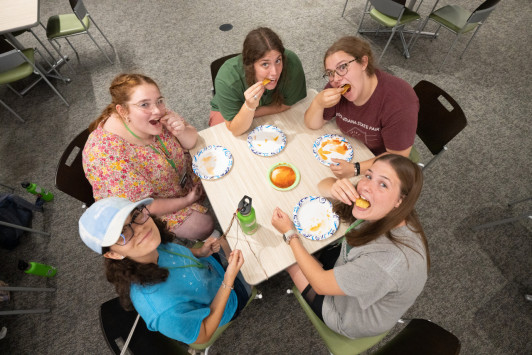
column 230, row 85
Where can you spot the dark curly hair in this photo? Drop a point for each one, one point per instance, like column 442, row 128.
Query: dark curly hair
column 122, row 273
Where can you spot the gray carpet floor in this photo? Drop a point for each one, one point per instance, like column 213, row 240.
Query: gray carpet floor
column 478, row 279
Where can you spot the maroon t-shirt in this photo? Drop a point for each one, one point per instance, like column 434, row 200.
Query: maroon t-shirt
column 387, row 120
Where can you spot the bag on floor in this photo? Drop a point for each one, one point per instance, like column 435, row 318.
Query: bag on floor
column 15, row 210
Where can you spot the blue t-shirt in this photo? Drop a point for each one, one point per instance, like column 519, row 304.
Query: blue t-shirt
column 177, row 306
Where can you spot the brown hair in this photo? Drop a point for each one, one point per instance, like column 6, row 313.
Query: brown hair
column 258, row 42
column 121, row 89
column 122, row 273
column 411, row 179
column 356, row 47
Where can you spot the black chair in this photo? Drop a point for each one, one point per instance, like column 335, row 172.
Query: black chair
column 438, row 122
column 70, row 177
column 422, row 337
column 116, row 324
column 215, row 66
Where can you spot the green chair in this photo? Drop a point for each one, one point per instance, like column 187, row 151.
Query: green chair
column 392, row 15
column 16, row 65
column 205, row 346
column 67, row 25
column 459, row 21
column 336, row 343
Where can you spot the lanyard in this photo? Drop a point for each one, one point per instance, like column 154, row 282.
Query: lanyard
column 167, row 153
column 195, row 262
column 353, row 225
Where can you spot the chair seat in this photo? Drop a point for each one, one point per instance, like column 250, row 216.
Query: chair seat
column 336, row 343
column 65, row 25
column 408, row 16
column 20, row 72
column 454, row 18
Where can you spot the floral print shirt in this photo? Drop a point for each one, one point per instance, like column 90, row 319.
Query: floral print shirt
column 115, row 167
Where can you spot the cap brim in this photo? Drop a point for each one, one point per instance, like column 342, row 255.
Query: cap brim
column 117, row 224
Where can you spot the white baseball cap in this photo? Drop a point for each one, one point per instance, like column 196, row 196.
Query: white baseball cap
column 101, row 224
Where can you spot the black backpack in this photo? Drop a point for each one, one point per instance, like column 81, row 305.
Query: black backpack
column 14, row 210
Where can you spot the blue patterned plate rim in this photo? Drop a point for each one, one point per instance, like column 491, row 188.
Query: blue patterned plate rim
column 277, row 148
column 317, row 143
column 219, row 151
column 327, row 206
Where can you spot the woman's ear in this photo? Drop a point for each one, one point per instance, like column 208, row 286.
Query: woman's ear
column 399, row 202
column 122, row 111
column 113, row 255
column 364, row 62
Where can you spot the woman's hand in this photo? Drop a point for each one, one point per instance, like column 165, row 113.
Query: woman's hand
column 235, row 262
column 343, row 190
column 328, row 97
column 173, row 123
column 194, row 194
column 210, row 246
column 253, row 95
column 281, row 221
column 343, row 169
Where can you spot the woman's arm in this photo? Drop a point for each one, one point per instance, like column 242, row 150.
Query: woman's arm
column 325, row 99
column 322, row 281
column 270, row 110
column 162, row 206
column 346, row 169
column 212, row 321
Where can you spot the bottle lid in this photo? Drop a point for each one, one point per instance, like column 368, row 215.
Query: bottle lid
column 244, row 206
column 22, row 265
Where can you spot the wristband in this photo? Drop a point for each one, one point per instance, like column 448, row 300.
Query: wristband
column 357, row 168
column 249, row 108
column 225, row 286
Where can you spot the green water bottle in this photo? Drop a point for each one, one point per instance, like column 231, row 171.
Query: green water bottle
column 246, row 216
column 37, row 190
column 37, row 268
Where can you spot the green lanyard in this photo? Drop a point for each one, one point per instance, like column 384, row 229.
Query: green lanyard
column 167, row 155
column 353, row 225
column 195, row 262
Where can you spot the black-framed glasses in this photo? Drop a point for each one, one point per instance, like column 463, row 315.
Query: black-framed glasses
column 139, row 216
column 341, row 70
column 149, row 106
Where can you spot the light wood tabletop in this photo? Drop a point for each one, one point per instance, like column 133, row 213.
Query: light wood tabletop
column 265, row 252
column 18, row 15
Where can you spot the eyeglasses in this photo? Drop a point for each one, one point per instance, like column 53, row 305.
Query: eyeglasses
column 148, row 106
column 139, row 216
column 341, row 70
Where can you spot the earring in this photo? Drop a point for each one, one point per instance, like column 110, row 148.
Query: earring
column 122, row 257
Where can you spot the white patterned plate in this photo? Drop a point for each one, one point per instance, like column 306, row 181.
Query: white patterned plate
column 266, row 140
column 212, row 162
column 331, row 146
column 314, row 218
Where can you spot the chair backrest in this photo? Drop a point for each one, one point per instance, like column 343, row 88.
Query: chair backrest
column 70, row 177
column 422, row 337
column 389, row 7
column 116, row 324
column 482, row 12
column 10, row 59
column 215, row 66
column 437, row 124
column 78, row 8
